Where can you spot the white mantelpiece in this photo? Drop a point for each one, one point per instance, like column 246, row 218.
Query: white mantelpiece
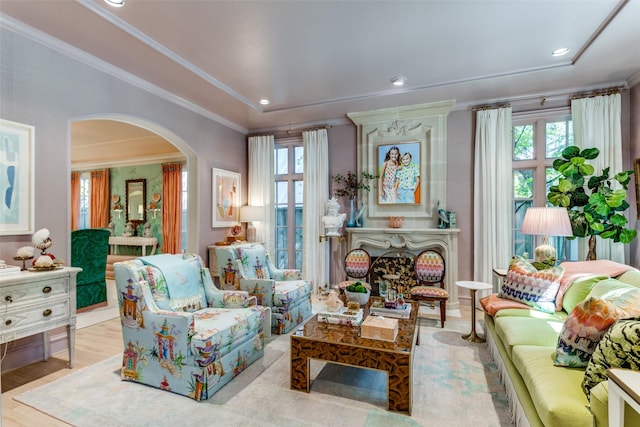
column 376, row 241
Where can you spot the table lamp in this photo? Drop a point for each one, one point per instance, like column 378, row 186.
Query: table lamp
column 249, row 214
column 547, row 221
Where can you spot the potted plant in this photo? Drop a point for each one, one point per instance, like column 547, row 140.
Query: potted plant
column 595, row 208
column 350, row 185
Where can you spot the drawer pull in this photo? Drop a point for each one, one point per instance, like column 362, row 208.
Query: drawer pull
column 46, row 289
column 47, row 312
column 7, row 322
column 8, row 298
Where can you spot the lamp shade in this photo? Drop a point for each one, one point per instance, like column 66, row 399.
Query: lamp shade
column 547, row 221
column 251, row 213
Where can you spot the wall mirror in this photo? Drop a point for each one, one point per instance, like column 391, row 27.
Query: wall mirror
column 136, row 190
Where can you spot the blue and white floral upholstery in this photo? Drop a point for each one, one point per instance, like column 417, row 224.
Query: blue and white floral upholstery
column 181, row 333
column 249, row 268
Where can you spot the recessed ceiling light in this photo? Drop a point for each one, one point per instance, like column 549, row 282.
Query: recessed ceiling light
column 115, row 3
column 399, row 81
column 561, row 51
column 265, row 102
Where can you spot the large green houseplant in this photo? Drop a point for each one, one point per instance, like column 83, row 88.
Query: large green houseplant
column 595, row 208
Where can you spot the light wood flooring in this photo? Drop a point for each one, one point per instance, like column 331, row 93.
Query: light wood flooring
column 93, row 344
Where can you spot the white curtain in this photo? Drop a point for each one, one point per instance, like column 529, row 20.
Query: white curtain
column 493, row 192
column 261, row 183
column 316, row 193
column 597, row 123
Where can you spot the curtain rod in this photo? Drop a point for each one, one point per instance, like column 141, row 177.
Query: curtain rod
column 568, row 96
column 600, row 92
column 489, row 107
column 289, row 132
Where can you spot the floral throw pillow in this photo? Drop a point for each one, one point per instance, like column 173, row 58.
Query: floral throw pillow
column 619, row 348
column 525, row 284
column 583, row 329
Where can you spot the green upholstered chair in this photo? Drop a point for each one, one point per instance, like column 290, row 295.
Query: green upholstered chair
column 89, row 250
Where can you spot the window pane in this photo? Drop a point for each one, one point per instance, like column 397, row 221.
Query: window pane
column 299, row 160
column 523, row 183
column 282, row 161
column 552, row 178
column 282, row 193
column 299, row 260
column 281, row 217
column 559, row 135
column 523, row 243
column 282, row 259
column 299, row 190
column 523, row 142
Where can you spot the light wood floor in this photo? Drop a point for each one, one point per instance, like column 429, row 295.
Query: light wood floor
column 93, row 344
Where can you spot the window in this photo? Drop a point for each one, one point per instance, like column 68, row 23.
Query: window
column 289, row 187
column 537, row 141
column 85, row 201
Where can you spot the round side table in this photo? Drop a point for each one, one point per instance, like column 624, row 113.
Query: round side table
column 473, row 287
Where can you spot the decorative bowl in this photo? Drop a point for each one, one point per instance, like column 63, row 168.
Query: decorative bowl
column 396, row 221
column 360, row 297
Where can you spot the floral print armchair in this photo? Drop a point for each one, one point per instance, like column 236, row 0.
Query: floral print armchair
column 248, row 268
column 181, row 333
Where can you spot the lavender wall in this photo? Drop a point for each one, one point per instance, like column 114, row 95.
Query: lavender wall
column 43, row 88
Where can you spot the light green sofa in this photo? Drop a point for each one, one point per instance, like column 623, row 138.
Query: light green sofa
column 523, row 344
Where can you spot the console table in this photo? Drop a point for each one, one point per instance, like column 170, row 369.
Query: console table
column 37, row 302
column 624, row 386
column 143, row 242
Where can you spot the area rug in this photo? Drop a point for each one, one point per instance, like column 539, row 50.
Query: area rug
column 455, row 383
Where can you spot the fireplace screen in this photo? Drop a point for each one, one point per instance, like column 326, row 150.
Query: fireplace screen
column 393, row 262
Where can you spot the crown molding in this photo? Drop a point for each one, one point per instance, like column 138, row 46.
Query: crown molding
column 22, row 29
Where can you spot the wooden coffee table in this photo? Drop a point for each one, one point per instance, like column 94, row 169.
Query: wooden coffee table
column 343, row 344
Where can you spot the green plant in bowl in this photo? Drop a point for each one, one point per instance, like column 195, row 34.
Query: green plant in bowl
column 357, row 292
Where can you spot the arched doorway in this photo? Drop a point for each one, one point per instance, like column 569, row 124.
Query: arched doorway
column 116, row 152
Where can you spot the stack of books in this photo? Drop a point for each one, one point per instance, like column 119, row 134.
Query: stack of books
column 343, row 316
column 400, row 312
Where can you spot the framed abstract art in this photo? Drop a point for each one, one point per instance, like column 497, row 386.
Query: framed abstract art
column 16, row 184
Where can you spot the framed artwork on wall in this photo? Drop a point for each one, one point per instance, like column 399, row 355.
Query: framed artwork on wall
column 225, row 197
column 419, row 130
column 16, row 184
column 399, row 171
column 636, row 175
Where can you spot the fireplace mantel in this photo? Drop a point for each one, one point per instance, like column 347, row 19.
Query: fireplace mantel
column 376, row 241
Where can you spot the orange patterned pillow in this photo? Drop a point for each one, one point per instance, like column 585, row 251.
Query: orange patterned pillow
column 525, row 284
column 583, row 329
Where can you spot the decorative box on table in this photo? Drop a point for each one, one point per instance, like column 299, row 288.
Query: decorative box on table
column 402, row 312
column 343, row 316
column 379, row 328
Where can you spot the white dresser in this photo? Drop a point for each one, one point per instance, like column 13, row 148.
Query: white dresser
column 36, row 302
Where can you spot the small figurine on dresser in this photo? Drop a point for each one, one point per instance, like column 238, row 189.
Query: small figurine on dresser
column 112, row 228
column 147, row 230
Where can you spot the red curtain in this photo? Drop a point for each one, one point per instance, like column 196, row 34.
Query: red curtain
column 99, row 198
column 75, row 200
column 172, row 208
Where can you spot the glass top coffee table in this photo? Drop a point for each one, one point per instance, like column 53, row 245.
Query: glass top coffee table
column 343, row 344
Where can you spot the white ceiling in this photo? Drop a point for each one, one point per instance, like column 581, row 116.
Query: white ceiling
column 318, row 60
